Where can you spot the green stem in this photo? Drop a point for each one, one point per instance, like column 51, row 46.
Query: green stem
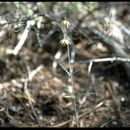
column 72, row 84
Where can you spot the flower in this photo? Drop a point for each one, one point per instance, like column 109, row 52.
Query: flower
column 65, row 42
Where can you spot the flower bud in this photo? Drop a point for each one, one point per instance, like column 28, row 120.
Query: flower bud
column 66, row 24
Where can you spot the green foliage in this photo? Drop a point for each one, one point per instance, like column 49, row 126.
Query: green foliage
column 73, row 9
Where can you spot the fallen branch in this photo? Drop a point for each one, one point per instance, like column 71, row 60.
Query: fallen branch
column 111, row 43
column 109, row 59
column 23, row 38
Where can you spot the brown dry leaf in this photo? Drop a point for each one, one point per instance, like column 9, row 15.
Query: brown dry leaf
column 24, row 96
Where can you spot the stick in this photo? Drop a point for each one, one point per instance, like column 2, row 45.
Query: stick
column 109, row 59
column 23, row 38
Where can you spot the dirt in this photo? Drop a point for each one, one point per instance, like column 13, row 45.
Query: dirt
column 34, row 94
column 45, row 105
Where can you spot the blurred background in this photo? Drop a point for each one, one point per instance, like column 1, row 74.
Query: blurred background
column 33, row 84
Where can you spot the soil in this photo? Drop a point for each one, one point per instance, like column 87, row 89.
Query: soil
column 44, row 104
column 34, row 94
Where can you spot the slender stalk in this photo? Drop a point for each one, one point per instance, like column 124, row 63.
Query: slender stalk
column 66, row 41
column 72, row 85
